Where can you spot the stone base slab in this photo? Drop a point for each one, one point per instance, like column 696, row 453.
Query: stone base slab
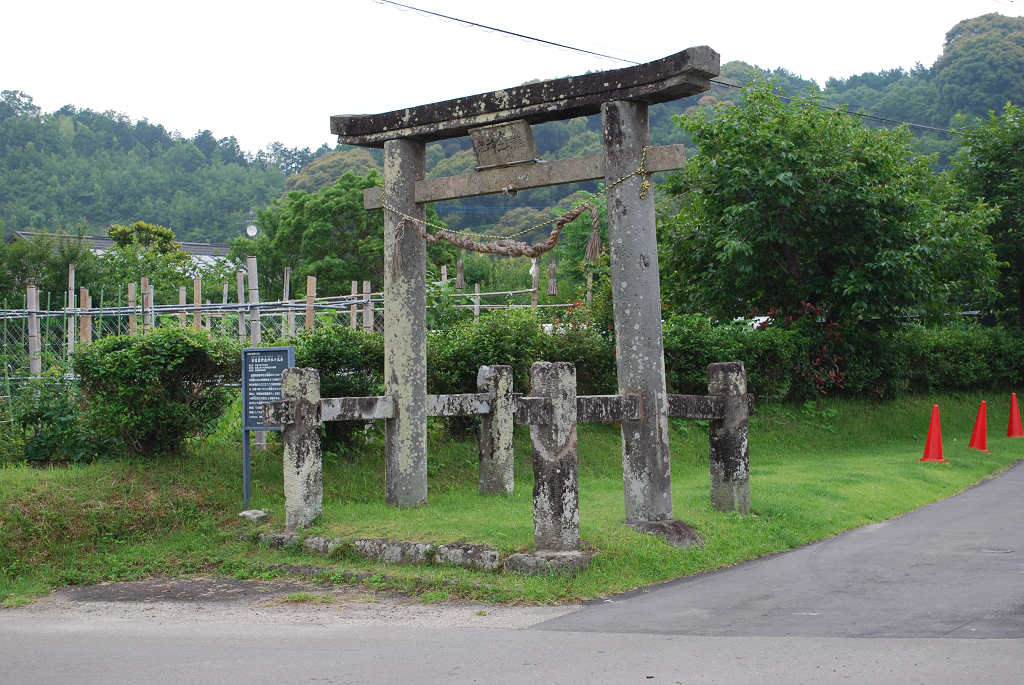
column 545, row 563
column 406, row 552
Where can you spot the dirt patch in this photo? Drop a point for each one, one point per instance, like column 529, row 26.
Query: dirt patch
column 206, row 590
column 190, row 600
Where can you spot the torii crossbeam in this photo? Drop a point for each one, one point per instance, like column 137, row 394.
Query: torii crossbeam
column 499, row 123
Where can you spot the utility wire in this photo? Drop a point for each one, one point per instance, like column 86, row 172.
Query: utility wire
column 507, row 33
column 629, row 61
column 853, row 114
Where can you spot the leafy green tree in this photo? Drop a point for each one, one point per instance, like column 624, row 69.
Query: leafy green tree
column 329, row 235
column 990, row 167
column 149, row 236
column 792, row 205
column 43, row 260
column 982, row 65
column 325, row 170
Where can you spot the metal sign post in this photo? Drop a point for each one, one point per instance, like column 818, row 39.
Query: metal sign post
column 261, row 382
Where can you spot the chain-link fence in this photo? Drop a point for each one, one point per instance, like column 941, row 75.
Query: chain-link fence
column 60, row 331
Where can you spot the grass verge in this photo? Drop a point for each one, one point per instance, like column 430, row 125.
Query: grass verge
column 816, row 470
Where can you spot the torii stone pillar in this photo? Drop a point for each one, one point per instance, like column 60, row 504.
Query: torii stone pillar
column 405, row 328
column 499, row 125
column 636, row 299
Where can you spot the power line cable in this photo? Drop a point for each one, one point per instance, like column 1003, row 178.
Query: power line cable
column 465, row 22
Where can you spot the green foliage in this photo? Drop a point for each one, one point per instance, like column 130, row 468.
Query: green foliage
column 792, row 204
column 155, row 390
column 149, row 236
column 982, row 66
column 515, row 337
column 43, row 260
column 990, row 168
column 511, row 337
column 692, row 342
column 55, row 426
column 326, row 234
column 955, row 357
column 72, row 165
column 328, row 168
column 350, row 363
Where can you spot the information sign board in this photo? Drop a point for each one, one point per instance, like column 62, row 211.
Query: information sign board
column 261, row 382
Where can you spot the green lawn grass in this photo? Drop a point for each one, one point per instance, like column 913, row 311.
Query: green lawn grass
column 816, row 470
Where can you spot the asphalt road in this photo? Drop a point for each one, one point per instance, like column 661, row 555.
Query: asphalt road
column 935, row 596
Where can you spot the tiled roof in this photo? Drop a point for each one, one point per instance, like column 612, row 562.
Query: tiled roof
column 102, row 243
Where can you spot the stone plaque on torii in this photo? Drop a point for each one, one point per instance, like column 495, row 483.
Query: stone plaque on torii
column 498, row 124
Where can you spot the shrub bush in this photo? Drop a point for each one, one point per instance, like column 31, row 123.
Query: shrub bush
column 54, row 425
column 351, row 364
column 454, row 357
column 155, row 390
column 692, row 342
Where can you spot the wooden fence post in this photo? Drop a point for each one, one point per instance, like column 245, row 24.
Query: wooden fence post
column 729, row 450
column 497, row 476
column 476, row 301
column 147, row 304
column 255, row 334
column 353, row 311
column 367, row 308
column 32, row 304
column 132, row 325
column 224, row 316
column 197, row 301
column 182, row 302
column 240, row 279
column 535, row 271
column 85, row 319
column 290, row 315
column 310, row 297
column 556, row 513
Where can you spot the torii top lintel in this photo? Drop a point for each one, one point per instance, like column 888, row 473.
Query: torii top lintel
column 670, row 78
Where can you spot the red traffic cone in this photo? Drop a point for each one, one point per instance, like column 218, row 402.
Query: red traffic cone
column 1014, row 429
column 933, row 445
column 980, row 434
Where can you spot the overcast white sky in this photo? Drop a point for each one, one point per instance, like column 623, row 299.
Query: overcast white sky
column 266, row 71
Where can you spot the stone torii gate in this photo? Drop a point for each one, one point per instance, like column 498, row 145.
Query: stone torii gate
column 499, row 123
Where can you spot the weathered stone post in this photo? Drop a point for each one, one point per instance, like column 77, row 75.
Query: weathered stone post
column 556, row 511
column 496, row 458
column 405, row 327
column 730, row 454
column 636, row 299
column 303, row 461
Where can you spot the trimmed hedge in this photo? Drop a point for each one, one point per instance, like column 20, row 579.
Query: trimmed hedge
column 155, row 390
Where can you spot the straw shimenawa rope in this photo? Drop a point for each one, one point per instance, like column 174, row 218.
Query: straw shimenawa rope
column 506, row 247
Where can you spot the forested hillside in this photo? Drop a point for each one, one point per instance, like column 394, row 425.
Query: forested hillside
column 76, row 166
